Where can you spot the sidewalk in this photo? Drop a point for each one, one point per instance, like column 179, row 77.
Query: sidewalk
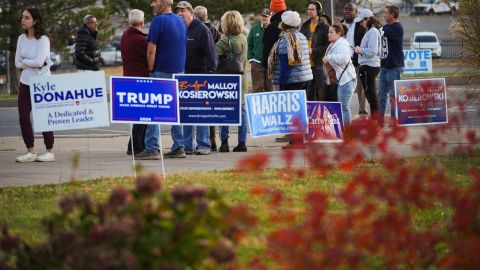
column 106, row 157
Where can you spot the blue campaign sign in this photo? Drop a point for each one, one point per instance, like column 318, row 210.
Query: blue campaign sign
column 144, row 100
column 325, row 121
column 280, row 112
column 210, row 99
column 421, row 102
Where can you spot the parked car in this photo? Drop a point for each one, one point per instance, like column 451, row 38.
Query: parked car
column 431, row 7
column 56, row 59
column 426, row 40
column 3, row 63
column 110, row 56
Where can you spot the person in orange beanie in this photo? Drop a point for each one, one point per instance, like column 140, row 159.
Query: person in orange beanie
column 277, row 6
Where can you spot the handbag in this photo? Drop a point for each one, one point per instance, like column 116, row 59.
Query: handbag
column 231, row 63
column 332, row 76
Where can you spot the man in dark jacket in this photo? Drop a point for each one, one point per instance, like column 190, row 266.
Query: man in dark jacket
column 277, row 7
column 133, row 46
column 201, row 58
column 201, row 13
column 317, row 34
column 87, row 52
column 354, row 37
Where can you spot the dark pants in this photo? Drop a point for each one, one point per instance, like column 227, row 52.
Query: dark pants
column 316, row 88
column 260, row 81
column 295, row 86
column 331, row 92
column 138, row 134
column 24, row 110
column 212, row 135
column 368, row 77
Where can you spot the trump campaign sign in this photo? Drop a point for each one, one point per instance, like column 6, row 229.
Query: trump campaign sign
column 325, row 121
column 69, row 101
column 417, row 61
column 210, row 99
column 280, row 112
column 421, row 102
column 144, row 100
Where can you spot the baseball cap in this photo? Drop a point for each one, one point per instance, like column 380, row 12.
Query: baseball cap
column 266, row 12
column 184, row 4
column 364, row 13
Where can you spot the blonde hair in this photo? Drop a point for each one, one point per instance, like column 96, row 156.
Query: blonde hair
column 232, row 23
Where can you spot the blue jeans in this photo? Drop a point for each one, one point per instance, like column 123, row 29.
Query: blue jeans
column 202, row 137
column 386, row 89
column 242, row 129
column 152, row 133
column 345, row 93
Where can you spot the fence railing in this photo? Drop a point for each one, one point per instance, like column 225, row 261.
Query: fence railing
column 450, row 47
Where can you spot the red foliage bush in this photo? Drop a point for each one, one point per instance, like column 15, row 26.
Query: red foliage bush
column 377, row 226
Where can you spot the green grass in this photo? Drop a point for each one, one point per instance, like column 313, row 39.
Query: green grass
column 23, row 208
column 7, row 96
column 459, row 73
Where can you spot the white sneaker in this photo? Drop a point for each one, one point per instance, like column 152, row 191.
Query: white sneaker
column 46, row 157
column 28, row 157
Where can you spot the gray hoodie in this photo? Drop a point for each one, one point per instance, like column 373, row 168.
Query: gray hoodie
column 370, row 48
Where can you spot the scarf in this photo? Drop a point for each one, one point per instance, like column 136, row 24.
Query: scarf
column 293, row 51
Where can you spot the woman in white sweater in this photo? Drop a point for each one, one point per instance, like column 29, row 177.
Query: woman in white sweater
column 33, row 59
column 338, row 55
column 369, row 58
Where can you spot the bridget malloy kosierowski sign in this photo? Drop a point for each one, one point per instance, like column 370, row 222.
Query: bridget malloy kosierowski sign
column 69, row 101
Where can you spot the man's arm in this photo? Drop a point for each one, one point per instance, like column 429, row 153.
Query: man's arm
column 151, row 53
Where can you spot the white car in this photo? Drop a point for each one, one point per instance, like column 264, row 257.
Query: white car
column 56, row 59
column 110, row 56
column 431, row 7
column 426, row 40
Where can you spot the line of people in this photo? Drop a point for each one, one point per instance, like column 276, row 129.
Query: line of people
column 327, row 60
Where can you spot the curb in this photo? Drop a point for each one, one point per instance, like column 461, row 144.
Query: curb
column 9, row 102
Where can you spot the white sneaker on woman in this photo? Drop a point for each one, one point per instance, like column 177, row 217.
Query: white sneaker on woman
column 28, row 157
column 46, row 157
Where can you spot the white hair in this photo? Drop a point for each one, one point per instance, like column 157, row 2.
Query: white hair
column 88, row 17
column 135, row 17
column 201, row 13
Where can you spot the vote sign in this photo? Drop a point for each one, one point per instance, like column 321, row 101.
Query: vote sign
column 417, row 61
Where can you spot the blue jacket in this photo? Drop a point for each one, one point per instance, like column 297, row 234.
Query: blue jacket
column 201, row 54
column 286, row 74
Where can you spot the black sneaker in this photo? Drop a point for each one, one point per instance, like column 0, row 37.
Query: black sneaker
column 179, row 153
column 148, row 155
column 224, row 147
column 241, row 147
column 285, row 138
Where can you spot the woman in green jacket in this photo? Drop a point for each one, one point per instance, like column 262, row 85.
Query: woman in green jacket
column 234, row 41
